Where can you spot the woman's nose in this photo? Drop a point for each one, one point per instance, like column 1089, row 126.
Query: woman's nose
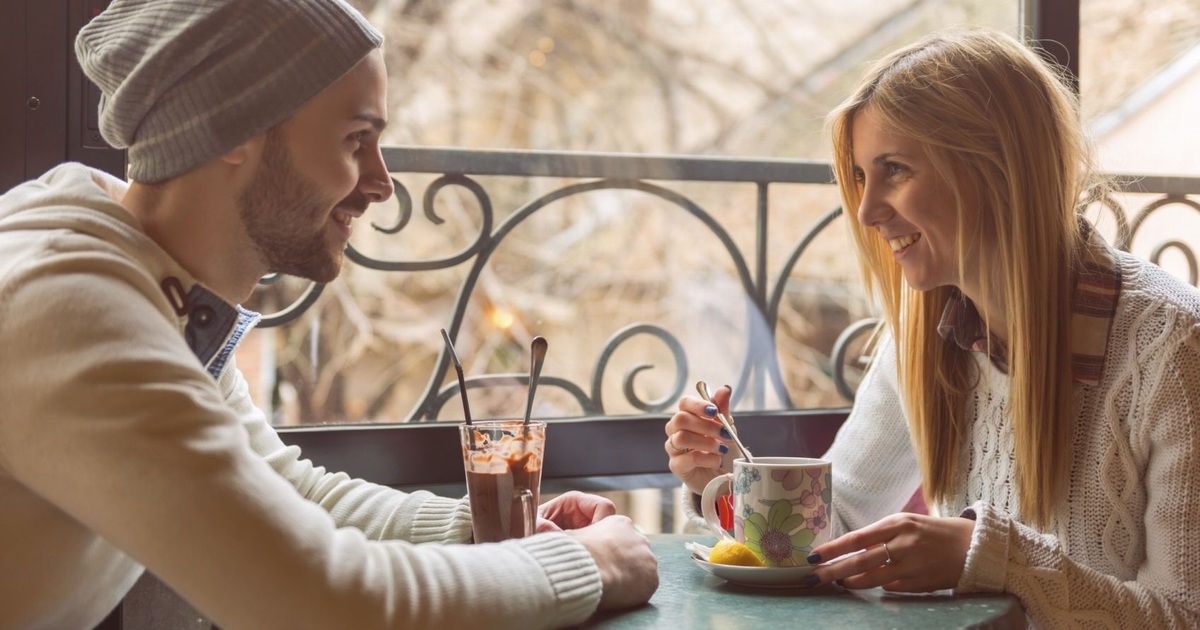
column 872, row 210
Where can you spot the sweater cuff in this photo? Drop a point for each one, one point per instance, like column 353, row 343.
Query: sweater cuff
column 573, row 575
column 691, row 508
column 986, row 567
column 441, row 519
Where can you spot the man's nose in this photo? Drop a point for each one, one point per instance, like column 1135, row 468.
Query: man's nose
column 376, row 181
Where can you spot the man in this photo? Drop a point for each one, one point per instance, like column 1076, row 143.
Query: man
column 127, row 437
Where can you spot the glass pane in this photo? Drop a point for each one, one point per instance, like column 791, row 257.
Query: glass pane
column 1140, row 92
column 709, row 269
column 1140, row 84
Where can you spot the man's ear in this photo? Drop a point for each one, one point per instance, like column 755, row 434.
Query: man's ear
column 246, row 153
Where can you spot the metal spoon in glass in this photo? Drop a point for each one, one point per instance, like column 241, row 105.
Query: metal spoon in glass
column 702, row 387
column 538, row 350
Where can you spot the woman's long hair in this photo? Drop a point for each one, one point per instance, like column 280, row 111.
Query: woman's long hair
column 1001, row 129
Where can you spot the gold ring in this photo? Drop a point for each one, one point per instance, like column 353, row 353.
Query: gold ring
column 671, row 444
column 888, row 562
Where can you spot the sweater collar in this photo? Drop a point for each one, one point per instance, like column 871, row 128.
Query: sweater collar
column 86, row 200
column 1096, row 289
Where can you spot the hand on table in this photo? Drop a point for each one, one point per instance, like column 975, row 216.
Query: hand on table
column 904, row 552
column 628, row 568
column 573, row 510
column 696, row 441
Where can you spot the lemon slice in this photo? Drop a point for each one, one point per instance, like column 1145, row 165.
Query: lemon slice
column 734, row 553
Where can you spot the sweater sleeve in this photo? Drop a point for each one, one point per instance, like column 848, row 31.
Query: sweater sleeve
column 875, row 469
column 380, row 512
column 1156, row 455
column 111, row 420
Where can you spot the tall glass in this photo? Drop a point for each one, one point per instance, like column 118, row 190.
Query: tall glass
column 503, row 462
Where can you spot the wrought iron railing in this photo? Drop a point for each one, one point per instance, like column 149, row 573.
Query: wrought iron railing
column 652, row 175
column 759, row 374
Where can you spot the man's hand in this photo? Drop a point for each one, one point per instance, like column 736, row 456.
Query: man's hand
column 573, row 510
column 628, row 569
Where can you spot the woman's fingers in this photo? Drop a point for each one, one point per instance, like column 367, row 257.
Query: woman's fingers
column 684, row 464
column 695, row 441
column 901, row 552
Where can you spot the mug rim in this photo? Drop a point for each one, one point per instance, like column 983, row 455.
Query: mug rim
column 782, row 462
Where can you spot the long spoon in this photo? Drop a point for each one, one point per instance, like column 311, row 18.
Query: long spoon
column 538, row 350
column 702, row 387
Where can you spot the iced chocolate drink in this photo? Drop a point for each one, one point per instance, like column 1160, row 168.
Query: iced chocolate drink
column 503, row 463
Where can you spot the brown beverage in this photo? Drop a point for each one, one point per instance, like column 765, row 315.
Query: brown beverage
column 503, row 464
column 496, row 510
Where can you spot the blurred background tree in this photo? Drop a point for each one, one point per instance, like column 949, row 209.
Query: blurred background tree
column 726, row 78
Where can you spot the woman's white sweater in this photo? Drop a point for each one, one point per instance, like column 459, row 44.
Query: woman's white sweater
column 1123, row 550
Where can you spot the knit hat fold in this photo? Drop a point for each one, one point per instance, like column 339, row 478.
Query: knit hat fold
column 185, row 81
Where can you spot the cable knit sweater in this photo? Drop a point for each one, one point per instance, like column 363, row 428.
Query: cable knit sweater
column 1123, row 550
column 118, row 450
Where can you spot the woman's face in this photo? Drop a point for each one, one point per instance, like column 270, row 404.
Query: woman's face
column 908, row 205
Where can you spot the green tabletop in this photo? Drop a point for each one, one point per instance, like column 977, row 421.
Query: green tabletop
column 690, row 598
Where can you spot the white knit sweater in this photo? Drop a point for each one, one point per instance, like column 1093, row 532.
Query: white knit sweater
column 1123, row 550
column 118, row 451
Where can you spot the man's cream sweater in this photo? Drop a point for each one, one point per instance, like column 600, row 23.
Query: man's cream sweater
column 118, row 451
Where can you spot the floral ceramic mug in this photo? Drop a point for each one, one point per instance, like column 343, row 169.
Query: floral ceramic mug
column 782, row 507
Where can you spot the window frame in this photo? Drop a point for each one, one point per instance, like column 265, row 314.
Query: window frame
column 418, row 454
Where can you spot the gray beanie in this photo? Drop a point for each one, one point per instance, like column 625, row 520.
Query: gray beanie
column 185, row 81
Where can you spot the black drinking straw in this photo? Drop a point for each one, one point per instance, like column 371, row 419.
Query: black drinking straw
column 462, row 386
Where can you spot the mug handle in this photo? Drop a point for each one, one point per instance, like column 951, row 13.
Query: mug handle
column 528, row 511
column 708, row 504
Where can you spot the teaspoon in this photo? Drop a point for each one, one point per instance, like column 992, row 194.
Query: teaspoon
column 702, row 387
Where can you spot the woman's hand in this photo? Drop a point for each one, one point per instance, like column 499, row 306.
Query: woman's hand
column 696, row 441
column 573, row 510
column 904, row 552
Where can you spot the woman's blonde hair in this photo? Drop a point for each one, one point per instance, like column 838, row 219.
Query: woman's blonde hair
column 1001, row 129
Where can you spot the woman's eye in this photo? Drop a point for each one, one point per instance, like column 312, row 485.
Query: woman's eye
column 894, row 169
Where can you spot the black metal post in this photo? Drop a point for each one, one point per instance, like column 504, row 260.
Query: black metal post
column 1053, row 26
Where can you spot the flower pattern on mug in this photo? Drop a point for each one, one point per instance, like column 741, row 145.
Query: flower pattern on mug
column 815, row 492
column 780, row 538
column 818, row 521
column 745, row 477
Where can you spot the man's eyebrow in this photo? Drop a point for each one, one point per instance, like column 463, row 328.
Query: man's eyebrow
column 378, row 123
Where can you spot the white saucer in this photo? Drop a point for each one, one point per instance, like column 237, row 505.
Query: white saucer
column 770, row 577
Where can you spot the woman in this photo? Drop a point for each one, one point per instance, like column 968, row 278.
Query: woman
column 1040, row 386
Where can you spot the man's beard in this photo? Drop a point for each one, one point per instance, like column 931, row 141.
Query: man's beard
column 285, row 215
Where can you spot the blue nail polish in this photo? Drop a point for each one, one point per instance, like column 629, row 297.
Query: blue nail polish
column 724, row 449
column 725, row 434
column 814, row 558
column 710, row 410
column 811, row 580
